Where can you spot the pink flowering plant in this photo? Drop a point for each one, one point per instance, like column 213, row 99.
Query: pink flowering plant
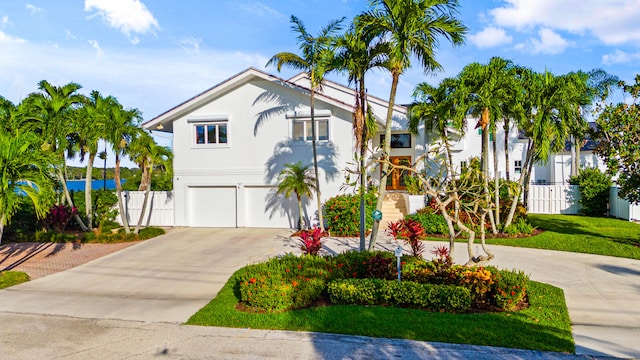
column 59, row 217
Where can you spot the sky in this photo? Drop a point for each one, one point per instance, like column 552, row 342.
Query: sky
column 154, row 54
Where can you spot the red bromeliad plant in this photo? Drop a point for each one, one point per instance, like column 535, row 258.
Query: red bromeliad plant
column 311, row 240
column 410, row 231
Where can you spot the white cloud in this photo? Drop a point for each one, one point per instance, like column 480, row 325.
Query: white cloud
column 620, row 57
column 190, row 44
column 8, row 39
column 5, row 21
column 128, row 16
column 99, row 52
column 70, row 35
column 33, row 9
column 549, row 43
column 490, row 37
column 612, row 22
column 260, row 9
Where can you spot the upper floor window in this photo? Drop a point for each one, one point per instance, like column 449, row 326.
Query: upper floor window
column 398, row 141
column 210, row 131
column 302, row 130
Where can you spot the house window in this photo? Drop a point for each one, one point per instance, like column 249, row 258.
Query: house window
column 463, row 165
column 214, row 133
column 517, row 166
column 302, row 130
column 398, row 141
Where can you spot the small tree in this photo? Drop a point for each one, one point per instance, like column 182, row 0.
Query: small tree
column 594, row 191
column 297, row 178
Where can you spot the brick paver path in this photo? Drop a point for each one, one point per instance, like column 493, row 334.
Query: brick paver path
column 42, row 259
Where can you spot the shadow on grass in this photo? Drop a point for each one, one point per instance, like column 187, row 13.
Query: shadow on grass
column 590, row 226
column 545, row 325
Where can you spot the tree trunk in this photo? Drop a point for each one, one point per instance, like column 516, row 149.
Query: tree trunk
column 574, row 166
column 578, row 146
column 2, row 219
column 382, row 189
column 147, row 179
column 521, row 184
column 507, row 166
column 315, row 159
column 485, row 162
column 301, row 221
column 88, row 211
column 496, row 181
column 123, row 215
column 362, row 127
column 62, row 176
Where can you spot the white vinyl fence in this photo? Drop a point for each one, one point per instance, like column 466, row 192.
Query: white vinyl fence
column 621, row 208
column 554, row 199
column 159, row 210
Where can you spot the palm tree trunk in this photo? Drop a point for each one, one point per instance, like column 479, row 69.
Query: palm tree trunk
column 386, row 149
column 88, row 211
column 574, row 166
column 315, row 159
column 145, row 179
column 361, row 102
column 506, row 150
column 301, row 221
column 123, row 215
column 147, row 191
column 521, row 184
column 63, row 180
column 2, row 219
column 485, row 164
column 496, row 180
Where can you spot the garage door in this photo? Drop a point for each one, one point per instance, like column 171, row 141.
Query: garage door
column 212, row 206
column 265, row 209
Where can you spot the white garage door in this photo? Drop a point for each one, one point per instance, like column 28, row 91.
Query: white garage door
column 265, row 209
column 212, row 206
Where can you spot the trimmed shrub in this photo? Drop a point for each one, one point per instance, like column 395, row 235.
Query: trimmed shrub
column 53, row 236
column 520, row 226
column 594, row 191
column 510, row 288
column 431, row 223
column 389, row 292
column 342, row 214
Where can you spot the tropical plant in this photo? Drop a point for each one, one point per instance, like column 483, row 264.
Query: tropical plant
column 409, row 28
column 411, row 231
column 594, row 188
column 315, row 61
column 119, row 131
column 311, row 241
column 24, row 175
column 53, row 110
column 298, row 179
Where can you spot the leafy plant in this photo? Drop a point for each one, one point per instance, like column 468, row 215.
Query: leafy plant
column 342, row 214
column 510, row 288
column 594, row 191
column 520, row 226
column 410, row 231
column 59, row 216
column 311, row 241
column 431, row 223
column 412, row 185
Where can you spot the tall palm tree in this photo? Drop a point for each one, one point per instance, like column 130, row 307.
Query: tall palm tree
column 119, row 131
column 410, row 28
column 90, row 124
column 148, row 155
column 24, row 174
column 296, row 178
column 484, row 92
column 356, row 55
column 315, row 61
column 53, row 109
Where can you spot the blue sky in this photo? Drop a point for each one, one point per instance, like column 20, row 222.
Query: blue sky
column 154, row 54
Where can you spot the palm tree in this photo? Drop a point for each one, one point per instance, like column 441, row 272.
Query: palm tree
column 53, row 109
column 296, row 178
column 90, row 124
column 148, row 155
column 119, row 131
column 315, row 59
column 485, row 89
column 409, row 28
column 356, row 55
column 24, row 174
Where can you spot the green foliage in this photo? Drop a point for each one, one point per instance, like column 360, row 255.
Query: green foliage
column 413, row 185
column 107, row 237
column 342, row 214
column 103, row 203
column 431, row 223
column 520, row 226
column 53, row 236
column 594, row 191
column 150, row 232
column 108, row 225
column 510, row 288
column 11, row 278
column 389, row 292
column 23, row 225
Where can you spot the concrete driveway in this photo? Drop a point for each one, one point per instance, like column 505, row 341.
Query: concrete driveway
column 167, row 279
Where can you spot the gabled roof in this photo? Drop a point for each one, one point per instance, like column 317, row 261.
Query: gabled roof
column 165, row 120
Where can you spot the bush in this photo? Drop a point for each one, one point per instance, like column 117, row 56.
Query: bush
column 510, row 288
column 431, row 223
column 109, row 237
column 53, row 236
column 394, row 293
column 520, row 226
column 342, row 214
column 103, row 203
column 311, row 240
column 594, row 191
column 411, row 231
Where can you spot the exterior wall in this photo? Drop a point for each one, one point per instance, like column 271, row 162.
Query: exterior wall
column 256, row 153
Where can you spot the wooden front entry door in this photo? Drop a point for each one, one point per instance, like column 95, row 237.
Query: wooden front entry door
column 395, row 180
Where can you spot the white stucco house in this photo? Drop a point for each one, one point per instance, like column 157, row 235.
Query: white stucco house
column 231, row 141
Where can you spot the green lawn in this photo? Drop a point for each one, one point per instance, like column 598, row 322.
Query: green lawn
column 545, row 325
column 10, row 278
column 581, row 234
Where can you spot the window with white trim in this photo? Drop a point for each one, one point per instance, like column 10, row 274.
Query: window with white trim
column 211, row 133
column 517, row 166
column 301, row 129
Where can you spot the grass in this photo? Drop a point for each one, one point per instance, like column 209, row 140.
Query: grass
column 545, row 325
column 580, row 234
column 10, row 278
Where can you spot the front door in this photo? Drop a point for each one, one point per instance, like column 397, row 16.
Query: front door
column 395, row 180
